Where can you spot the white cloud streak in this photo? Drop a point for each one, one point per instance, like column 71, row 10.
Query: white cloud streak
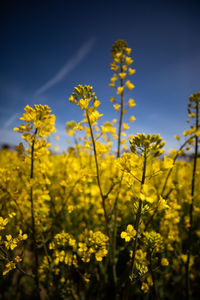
column 10, row 120
column 68, row 67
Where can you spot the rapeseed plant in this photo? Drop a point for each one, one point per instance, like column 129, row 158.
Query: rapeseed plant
column 92, row 223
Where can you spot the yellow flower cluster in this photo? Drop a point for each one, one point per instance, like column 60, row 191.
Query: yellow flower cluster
column 122, row 70
column 66, row 257
column 63, row 239
column 8, row 267
column 85, row 98
column 39, row 124
column 121, row 61
column 11, row 243
column 129, row 234
column 94, row 243
column 146, row 285
column 164, row 262
column 92, row 196
column 153, row 240
column 38, row 119
column 3, row 223
column 8, row 242
column 120, row 53
column 142, row 143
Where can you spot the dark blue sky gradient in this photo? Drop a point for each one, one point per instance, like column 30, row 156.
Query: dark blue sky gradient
column 38, row 38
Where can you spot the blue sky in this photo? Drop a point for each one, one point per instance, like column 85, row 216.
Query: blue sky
column 48, row 47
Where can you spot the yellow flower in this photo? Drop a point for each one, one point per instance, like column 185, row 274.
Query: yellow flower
column 128, row 50
column 132, row 118
column 96, row 104
column 83, row 103
column 122, row 75
column 125, row 126
column 112, row 84
column 18, row 259
column 11, row 215
column 128, row 61
column 142, row 197
column 10, row 243
column 40, row 119
column 177, row 137
column 129, row 233
column 123, row 141
column 94, row 116
column 164, row 262
column 118, row 54
column 115, row 68
column 129, row 85
column 8, row 237
column 167, row 163
column 71, row 99
column 191, row 115
column 131, row 103
column 125, row 147
column 117, row 60
column 112, row 99
column 150, row 280
column 145, row 287
column 131, row 71
column 116, row 107
column 124, row 68
column 120, row 90
column 3, row 223
column 197, row 133
column 24, row 236
column 9, row 266
column 114, row 78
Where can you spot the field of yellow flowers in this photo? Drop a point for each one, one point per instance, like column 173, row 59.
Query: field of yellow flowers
column 97, row 222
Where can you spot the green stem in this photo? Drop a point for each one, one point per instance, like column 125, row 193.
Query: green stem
column 35, row 249
column 114, row 236
column 103, row 197
column 187, row 273
column 155, row 292
column 8, row 258
column 137, row 227
column 121, row 117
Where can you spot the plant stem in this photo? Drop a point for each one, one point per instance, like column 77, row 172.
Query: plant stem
column 33, row 220
column 115, row 212
column 187, row 271
column 121, row 117
column 8, row 258
column 155, row 292
column 114, row 236
column 103, row 197
column 137, row 227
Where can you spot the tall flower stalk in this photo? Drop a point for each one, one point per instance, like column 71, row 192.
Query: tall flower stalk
column 193, row 113
column 38, row 125
column 147, row 147
column 85, row 98
column 121, row 66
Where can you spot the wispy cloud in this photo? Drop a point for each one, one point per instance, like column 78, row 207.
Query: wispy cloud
column 15, row 92
column 68, row 66
column 10, row 120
